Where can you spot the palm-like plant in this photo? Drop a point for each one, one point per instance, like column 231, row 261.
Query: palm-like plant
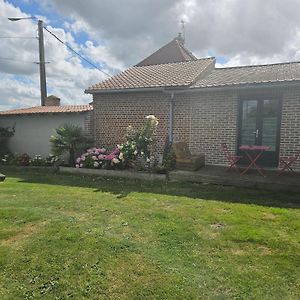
column 69, row 139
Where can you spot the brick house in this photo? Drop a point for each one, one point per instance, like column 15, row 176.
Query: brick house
column 203, row 105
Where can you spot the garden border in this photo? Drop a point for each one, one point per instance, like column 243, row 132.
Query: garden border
column 114, row 173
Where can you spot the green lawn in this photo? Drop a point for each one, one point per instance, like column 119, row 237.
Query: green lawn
column 64, row 237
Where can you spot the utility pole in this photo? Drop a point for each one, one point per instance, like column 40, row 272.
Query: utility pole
column 43, row 84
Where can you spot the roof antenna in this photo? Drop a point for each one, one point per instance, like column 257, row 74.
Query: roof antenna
column 182, row 33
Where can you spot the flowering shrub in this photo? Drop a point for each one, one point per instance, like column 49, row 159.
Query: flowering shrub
column 143, row 138
column 26, row 160
column 37, row 161
column 128, row 150
column 96, row 158
column 137, row 145
column 51, row 159
column 23, row 159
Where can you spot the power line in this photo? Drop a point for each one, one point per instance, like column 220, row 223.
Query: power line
column 17, row 37
column 83, row 58
column 17, row 60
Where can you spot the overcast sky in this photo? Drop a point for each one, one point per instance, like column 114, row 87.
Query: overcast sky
column 116, row 34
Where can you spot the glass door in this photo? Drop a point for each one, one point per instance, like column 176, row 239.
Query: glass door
column 259, row 124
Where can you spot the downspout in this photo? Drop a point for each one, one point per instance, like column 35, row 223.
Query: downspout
column 171, row 118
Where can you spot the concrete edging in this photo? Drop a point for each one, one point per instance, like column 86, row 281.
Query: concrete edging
column 114, row 173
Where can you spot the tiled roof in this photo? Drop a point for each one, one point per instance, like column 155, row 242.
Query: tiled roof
column 180, row 74
column 169, row 53
column 282, row 72
column 48, row 109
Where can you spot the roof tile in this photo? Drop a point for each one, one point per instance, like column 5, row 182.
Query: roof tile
column 174, row 51
column 250, row 75
column 164, row 75
column 48, row 109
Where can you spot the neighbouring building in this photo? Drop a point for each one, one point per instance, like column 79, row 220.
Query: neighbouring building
column 203, row 105
column 35, row 125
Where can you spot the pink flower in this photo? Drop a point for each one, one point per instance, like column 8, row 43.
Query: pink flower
column 102, row 150
column 110, row 156
column 101, row 156
column 78, row 160
column 83, row 158
column 116, row 151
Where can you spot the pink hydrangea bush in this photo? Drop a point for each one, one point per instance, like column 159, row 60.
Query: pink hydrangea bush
column 137, row 146
column 97, row 158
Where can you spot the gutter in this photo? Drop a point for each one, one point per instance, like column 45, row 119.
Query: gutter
column 278, row 84
column 187, row 89
column 134, row 90
column 171, row 118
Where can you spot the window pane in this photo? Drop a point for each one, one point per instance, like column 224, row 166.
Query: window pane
column 249, row 122
column 269, row 132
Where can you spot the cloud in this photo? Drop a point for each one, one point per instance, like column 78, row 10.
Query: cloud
column 67, row 75
column 117, row 34
column 252, row 30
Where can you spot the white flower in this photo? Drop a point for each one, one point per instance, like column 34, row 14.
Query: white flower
column 135, row 152
column 96, row 164
column 115, row 160
column 148, row 159
column 151, row 117
column 121, row 156
column 142, row 153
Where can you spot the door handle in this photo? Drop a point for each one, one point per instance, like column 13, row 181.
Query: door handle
column 256, row 133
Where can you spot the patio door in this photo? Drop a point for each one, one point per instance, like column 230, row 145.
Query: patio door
column 259, row 124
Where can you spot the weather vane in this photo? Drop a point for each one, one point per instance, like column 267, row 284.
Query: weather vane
column 182, row 29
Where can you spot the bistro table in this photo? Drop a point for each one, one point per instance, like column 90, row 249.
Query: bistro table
column 254, row 153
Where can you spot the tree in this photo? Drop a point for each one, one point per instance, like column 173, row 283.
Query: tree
column 69, row 139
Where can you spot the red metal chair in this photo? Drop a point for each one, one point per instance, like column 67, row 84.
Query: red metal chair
column 232, row 159
column 286, row 163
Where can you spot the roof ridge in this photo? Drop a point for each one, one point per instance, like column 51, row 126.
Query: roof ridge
column 262, row 65
column 170, row 63
column 182, row 47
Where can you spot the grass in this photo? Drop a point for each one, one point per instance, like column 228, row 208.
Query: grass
column 65, row 236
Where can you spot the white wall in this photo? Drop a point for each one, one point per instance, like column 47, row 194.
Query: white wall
column 33, row 131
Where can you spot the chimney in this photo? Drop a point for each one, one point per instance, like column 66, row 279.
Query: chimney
column 52, row 101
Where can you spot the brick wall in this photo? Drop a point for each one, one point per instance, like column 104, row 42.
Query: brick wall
column 205, row 120
column 89, row 123
column 113, row 113
column 290, row 123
